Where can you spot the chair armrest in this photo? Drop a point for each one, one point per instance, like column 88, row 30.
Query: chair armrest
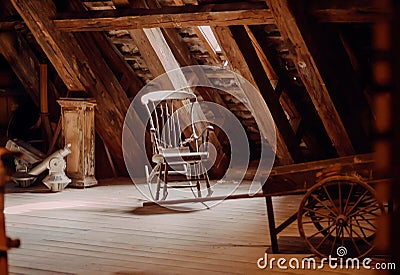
column 194, row 137
column 206, row 131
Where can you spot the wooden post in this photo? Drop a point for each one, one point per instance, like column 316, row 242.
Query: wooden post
column 78, row 129
column 3, row 237
column 44, row 103
column 382, row 103
column 395, row 240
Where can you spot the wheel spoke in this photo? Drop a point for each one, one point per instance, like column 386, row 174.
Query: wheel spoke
column 342, row 235
column 352, row 240
column 334, row 241
column 358, row 235
column 318, row 221
column 319, row 213
column 340, row 198
column 368, row 221
column 316, row 198
column 326, row 237
column 362, row 227
column 364, row 209
column 320, row 231
column 329, row 198
column 359, row 226
column 357, row 202
column 348, row 199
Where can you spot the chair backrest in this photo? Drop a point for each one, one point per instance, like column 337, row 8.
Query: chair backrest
column 166, row 122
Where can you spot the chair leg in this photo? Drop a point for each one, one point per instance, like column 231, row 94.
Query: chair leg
column 165, row 191
column 197, row 171
column 209, row 190
column 157, row 197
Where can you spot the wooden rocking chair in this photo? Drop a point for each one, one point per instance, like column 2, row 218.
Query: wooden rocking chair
column 176, row 152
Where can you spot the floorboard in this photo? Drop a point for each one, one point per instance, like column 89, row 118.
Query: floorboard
column 105, row 230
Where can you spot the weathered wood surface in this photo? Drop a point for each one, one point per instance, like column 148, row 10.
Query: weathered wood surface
column 347, row 95
column 44, row 102
column 3, row 236
column 8, row 25
column 167, row 17
column 267, row 92
column 301, row 176
column 163, row 51
column 78, row 129
column 23, row 62
column 239, row 65
column 311, row 77
column 129, row 81
column 294, row 97
column 104, row 230
column 82, row 68
column 322, row 164
column 354, row 11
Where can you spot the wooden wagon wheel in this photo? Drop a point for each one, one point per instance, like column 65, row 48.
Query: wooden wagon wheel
column 339, row 211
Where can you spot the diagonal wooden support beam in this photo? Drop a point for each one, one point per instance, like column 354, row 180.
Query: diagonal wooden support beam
column 129, row 81
column 311, row 77
column 350, row 11
column 23, row 62
column 160, row 59
column 166, row 17
column 163, row 51
column 82, row 68
column 238, row 64
column 267, row 91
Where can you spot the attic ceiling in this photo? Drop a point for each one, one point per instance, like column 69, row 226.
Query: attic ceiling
column 310, row 61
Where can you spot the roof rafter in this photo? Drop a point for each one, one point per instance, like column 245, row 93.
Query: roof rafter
column 160, row 59
column 239, row 65
column 311, row 77
column 167, row 17
column 349, row 11
column 82, row 68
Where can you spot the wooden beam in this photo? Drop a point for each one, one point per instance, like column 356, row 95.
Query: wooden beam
column 364, row 159
column 353, row 11
column 238, row 64
column 160, row 59
column 267, row 91
column 273, row 78
column 184, row 58
column 81, row 67
column 311, row 130
column 311, row 77
column 181, row 55
column 9, row 25
column 129, row 81
column 23, row 62
column 166, row 17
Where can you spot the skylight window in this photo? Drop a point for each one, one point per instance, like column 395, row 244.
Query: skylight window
column 210, row 38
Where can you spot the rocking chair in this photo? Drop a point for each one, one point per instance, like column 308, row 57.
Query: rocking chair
column 178, row 152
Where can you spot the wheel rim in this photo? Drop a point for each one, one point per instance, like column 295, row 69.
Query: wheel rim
column 339, row 211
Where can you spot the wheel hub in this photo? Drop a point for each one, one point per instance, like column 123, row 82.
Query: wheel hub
column 341, row 220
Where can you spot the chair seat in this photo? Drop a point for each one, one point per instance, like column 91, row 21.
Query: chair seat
column 183, row 157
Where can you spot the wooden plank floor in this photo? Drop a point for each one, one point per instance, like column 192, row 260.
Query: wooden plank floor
column 104, row 230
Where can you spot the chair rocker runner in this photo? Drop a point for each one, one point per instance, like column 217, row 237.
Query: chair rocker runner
column 179, row 143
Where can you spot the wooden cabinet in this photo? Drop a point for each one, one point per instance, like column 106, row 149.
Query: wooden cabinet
column 78, row 130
